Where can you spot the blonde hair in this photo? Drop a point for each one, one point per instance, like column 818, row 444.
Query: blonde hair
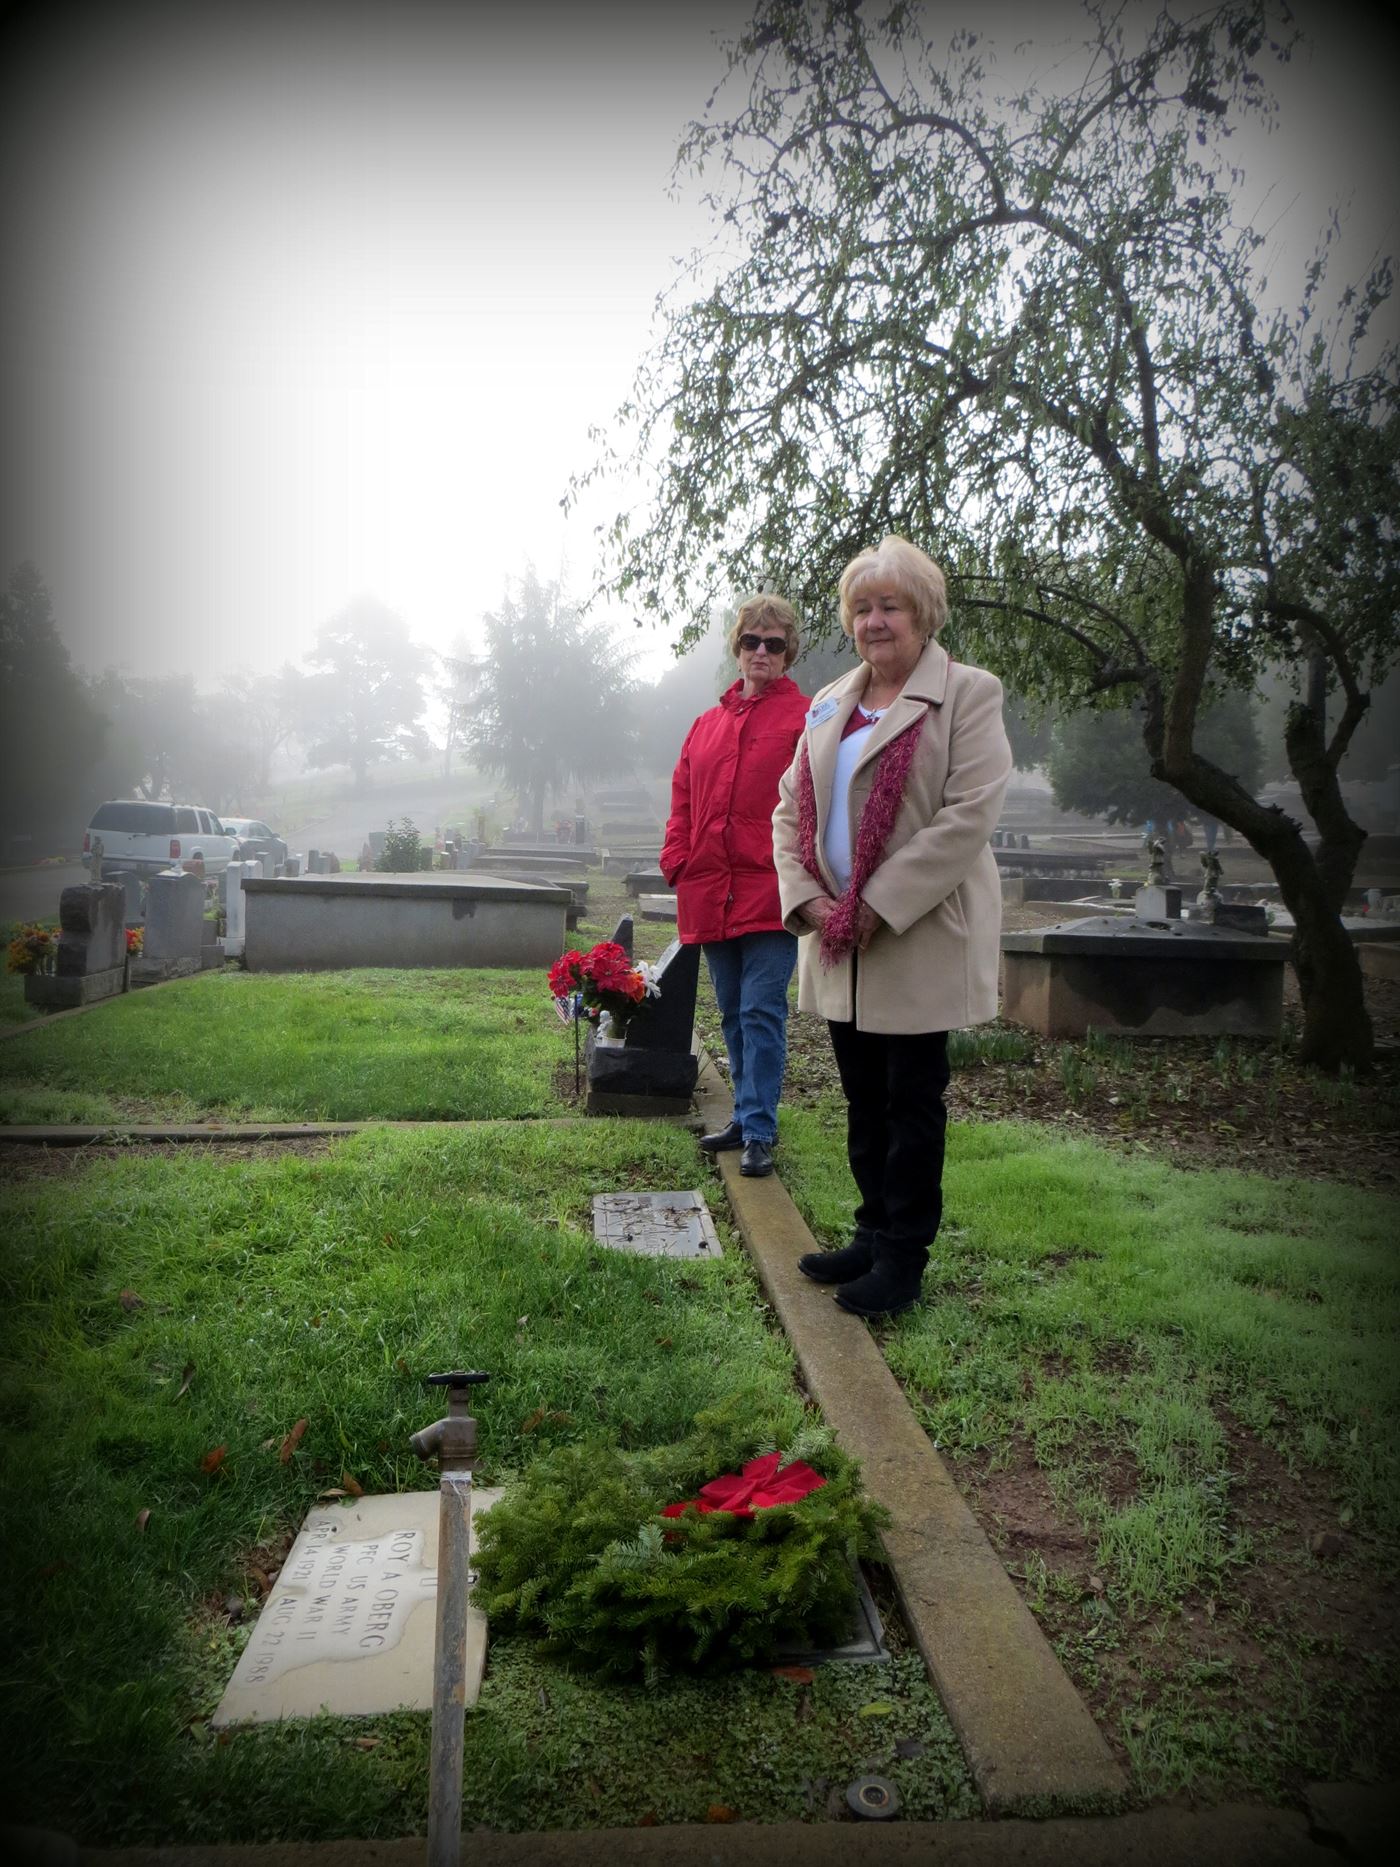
column 766, row 612
column 912, row 572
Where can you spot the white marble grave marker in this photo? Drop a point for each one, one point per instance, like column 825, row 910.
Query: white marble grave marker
column 350, row 1623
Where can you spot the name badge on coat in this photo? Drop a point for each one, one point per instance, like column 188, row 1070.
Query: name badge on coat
column 821, row 712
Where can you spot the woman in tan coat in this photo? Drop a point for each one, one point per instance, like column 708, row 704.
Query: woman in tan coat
column 882, row 841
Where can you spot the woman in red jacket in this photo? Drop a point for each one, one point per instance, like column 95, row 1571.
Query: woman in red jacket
column 718, row 856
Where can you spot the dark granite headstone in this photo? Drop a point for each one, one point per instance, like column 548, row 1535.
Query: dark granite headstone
column 90, row 962
column 622, row 934
column 652, row 1070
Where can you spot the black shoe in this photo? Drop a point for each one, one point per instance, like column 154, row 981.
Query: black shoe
column 839, row 1267
column 757, row 1160
column 723, row 1139
column 890, row 1286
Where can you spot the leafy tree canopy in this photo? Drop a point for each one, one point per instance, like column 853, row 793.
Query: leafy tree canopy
column 50, row 729
column 364, row 698
column 1032, row 332
column 554, row 700
column 1099, row 766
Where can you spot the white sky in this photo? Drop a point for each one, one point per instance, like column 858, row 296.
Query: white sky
column 320, row 300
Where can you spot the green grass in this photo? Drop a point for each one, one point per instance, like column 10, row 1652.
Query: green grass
column 1115, row 1318
column 159, row 1308
column 1140, row 1300
column 334, row 1046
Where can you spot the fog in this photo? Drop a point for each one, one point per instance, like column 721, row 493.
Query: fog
column 309, row 301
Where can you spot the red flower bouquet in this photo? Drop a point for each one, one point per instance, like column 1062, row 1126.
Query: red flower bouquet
column 604, row 979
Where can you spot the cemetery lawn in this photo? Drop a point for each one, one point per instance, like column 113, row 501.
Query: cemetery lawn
column 1173, row 1401
column 200, row 1342
column 314, row 1046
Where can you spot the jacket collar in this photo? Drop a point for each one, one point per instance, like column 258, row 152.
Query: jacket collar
column 732, row 696
column 926, row 686
column 928, row 682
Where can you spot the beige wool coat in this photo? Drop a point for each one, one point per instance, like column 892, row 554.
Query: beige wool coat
column 932, row 966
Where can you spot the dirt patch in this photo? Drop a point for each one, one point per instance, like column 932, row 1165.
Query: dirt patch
column 1292, row 1649
column 21, row 1161
column 1198, row 1102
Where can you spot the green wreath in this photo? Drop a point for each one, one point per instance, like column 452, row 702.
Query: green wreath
column 578, row 1556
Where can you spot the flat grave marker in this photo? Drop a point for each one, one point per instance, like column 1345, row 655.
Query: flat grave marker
column 349, row 1626
column 656, row 1225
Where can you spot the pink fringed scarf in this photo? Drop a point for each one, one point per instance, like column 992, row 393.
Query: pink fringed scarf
column 877, row 820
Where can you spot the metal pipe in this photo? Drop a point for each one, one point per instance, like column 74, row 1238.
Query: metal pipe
column 452, row 1441
column 450, row 1669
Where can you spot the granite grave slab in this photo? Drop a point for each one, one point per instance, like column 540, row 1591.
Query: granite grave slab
column 656, row 1225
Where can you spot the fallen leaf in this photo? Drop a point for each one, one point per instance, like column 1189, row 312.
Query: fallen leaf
column 321, row 1496
column 292, row 1441
column 187, row 1375
column 130, row 1301
column 799, row 1675
column 537, row 1418
column 260, row 1576
column 1095, row 1584
column 877, row 1708
column 352, row 1484
column 649, row 1820
column 213, row 1460
column 664, row 1341
column 908, row 1747
column 720, row 1812
column 143, row 1517
column 368, row 1743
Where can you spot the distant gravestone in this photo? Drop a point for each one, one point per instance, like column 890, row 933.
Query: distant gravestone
column 1158, row 901
column 348, row 1627
column 622, row 935
column 292, row 866
column 236, row 907
column 652, row 1070
column 174, row 929
column 1122, row 975
column 134, row 912
column 90, row 963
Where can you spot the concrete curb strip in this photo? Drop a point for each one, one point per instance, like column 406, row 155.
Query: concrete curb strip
column 1235, row 1835
column 1028, row 1736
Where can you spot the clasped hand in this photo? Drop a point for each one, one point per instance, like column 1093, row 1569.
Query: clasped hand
column 818, row 911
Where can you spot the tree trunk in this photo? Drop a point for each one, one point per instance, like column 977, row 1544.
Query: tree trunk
column 1336, row 1025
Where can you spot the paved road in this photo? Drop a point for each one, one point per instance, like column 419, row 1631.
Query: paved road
column 32, row 894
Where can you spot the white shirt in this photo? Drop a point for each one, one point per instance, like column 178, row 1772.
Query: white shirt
column 836, row 844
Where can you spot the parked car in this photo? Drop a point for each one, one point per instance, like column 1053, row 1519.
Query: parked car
column 145, row 836
column 256, row 838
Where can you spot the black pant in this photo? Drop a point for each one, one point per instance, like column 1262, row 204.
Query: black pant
column 895, row 1127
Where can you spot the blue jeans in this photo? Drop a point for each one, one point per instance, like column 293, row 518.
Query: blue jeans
column 750, row 976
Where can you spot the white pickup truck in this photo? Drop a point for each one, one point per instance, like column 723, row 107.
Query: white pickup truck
column 146, row 837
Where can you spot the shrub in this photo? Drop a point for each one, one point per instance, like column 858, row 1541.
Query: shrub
column 401, row 852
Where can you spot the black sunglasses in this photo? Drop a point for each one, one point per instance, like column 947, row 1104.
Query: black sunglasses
column 775, row 644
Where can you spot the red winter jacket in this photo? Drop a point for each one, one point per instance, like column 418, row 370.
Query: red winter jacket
column 718, row 852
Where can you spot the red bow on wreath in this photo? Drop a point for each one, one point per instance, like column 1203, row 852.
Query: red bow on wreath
column 758, row 1487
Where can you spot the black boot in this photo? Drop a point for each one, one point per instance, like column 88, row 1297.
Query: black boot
column 731, row 1135
column 839, row 1267
column 891, row 1285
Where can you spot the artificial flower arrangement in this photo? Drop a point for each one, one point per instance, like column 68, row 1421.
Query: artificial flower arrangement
column 135, row 941
column 32, row 949
column 594, row 1555
column 585, row 985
